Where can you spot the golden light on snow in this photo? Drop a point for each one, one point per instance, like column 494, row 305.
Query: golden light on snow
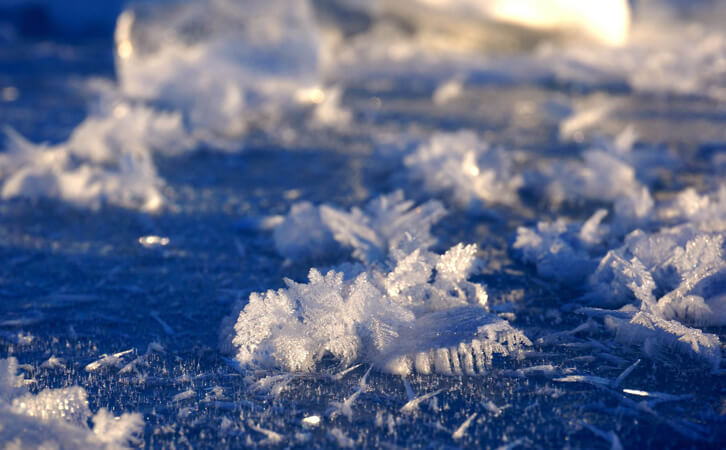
column 636, row 392
column 605, row 21
column 314, row 95
column 124, row 47
column 608, row 21
column 470, row 166
column 151, row 241
column 120, row 110
column 312, row 421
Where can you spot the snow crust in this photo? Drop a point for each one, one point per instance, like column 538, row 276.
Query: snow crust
column 56, row 418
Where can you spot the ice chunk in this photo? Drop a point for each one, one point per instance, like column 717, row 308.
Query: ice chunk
column 467, row 168
column 378, row 316
column 58, row 417
column 388, row 227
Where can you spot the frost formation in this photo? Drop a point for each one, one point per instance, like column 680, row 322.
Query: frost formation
column 58, row 418
column 378, row 310
column 389, row 226
column 377, row 315
column 467, row 168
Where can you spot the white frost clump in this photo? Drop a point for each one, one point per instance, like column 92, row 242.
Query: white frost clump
column 58, row 417
column 99, row 164
column 400, row 319
column 606, row 173
column 561, row 251
column 678, row 273
column 467, row 168
column 655, row 336
column 672, row 58
column 387, row 227
column 675, row 278
column 221, row 63
column 707, row 212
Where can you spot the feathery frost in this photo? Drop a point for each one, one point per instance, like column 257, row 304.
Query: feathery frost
column 420, row 312
column 388, row 227
column 58, row 417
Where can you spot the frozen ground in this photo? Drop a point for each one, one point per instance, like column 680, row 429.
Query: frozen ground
column 127, row 279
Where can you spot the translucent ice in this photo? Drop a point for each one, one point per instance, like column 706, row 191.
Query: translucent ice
column 58, row 417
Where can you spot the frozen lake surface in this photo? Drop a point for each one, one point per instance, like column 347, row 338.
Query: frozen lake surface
column 151, row 185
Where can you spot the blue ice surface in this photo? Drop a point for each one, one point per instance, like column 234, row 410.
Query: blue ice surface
column 82, row 285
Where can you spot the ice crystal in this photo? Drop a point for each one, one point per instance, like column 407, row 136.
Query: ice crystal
column 560, row 251
column 58, row 417
column 107, row 159
column 655, row 336
column 388, row 227
column 467, row 168
column 379, row 316
column 249, row 63
column 687, row 267
column 676, row 277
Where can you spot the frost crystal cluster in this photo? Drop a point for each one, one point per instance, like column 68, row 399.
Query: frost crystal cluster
column 405, row 308
column 388, row 227
column 609, row 172
column 465, row 167
column 667, row 282
column 57, row 418
column 107, row 159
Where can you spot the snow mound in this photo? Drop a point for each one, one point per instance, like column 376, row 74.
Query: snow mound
column 389, row 226
column 58, row 417
column 374, row 316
